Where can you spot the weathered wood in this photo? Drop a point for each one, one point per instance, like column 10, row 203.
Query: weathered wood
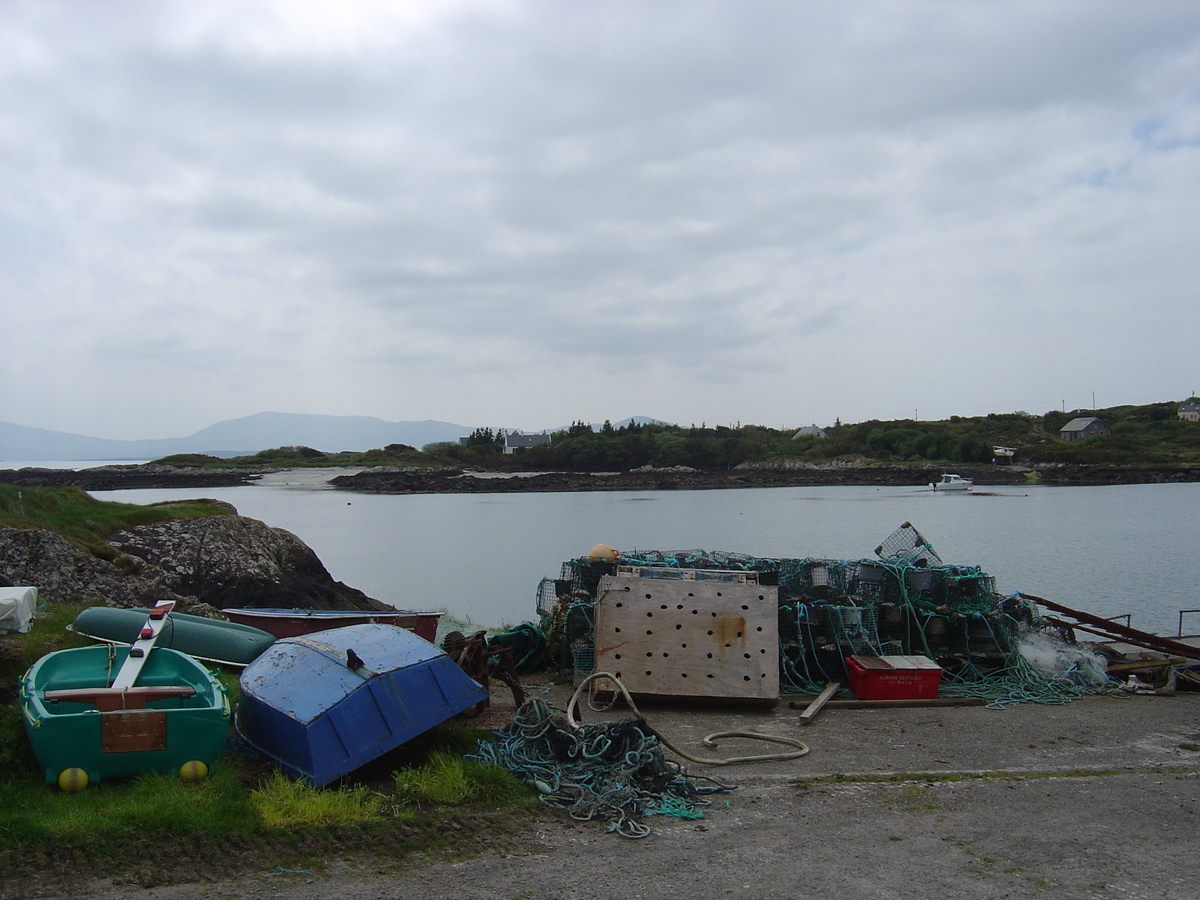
column 885, row 704
column 1189, row 675
column 711, row 635
column 1116, row 631
column 1138, row 665
column 818, row 704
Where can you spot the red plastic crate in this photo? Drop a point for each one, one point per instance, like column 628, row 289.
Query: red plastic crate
column 894, row 677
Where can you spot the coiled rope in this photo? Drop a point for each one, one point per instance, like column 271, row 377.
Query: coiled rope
column 708, row 741
column 611, row 771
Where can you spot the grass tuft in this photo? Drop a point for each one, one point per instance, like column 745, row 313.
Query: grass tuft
column 447, row 780
column 284, row 803
column 86, row 521
column 144, row 807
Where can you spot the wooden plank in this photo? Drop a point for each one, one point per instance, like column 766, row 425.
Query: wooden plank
column 1123, row 632
column 898, row 704
column 1138, row 665
column 128, row 674
column 815, row 707
column 1189, row 675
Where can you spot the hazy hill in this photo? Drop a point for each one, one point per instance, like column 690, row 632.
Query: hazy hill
column 233, row 437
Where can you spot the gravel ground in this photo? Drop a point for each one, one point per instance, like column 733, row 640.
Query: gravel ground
column 1094, row 799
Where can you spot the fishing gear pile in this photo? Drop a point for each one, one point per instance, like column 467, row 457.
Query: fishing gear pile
column 905, row 601
column 615, row 772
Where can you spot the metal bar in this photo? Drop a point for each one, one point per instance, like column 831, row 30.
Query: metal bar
column 1179, row 631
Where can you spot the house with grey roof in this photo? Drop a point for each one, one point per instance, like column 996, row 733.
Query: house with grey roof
column 811, row 431
column 1083, row 427
column 514, row 441
column 1189, row 411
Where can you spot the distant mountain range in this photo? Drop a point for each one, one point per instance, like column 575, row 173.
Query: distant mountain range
column 233, row 437
column 238, row 437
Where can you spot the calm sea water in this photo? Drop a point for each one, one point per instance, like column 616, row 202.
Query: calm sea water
column 1112, row 551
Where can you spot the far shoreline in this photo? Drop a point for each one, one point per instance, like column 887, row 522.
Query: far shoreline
column 396, row 480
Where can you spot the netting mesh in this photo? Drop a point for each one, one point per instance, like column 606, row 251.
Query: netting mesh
column 904, row 602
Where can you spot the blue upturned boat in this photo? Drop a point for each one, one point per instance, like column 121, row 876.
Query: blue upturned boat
column 323, row 704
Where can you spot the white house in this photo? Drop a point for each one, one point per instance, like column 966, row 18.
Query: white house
column 1189, row 411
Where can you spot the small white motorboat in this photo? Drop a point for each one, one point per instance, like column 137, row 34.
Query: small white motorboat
column 953, row 483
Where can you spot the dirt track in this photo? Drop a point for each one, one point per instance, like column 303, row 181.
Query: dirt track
column 1099, row 798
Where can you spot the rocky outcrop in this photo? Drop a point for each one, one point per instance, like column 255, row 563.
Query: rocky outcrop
column 63, row 573
column 394, row 481
column 224, row 561
column 111, row 478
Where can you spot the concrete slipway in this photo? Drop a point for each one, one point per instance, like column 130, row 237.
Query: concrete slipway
column 1099, row 798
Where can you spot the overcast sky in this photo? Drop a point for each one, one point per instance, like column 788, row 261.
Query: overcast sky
column 523, row 214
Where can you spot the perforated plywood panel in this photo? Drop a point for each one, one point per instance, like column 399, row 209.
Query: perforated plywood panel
column 675, row 636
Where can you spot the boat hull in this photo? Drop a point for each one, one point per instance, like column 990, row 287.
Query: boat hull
column 294, row 622
column 212, row 640
column 118, row 743
column 303, row 705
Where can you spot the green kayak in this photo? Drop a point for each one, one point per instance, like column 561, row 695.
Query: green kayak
column 211, row 640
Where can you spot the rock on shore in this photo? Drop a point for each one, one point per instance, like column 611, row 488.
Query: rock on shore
column 223, row 561
column 110, row 478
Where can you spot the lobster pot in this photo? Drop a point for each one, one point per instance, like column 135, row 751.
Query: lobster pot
column 919, row 579
column 870, row 578
column 820, row 576
column 583, row 661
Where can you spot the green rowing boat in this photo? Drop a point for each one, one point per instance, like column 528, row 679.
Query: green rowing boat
column 211, row 640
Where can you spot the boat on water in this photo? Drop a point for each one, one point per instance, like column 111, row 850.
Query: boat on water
column 293, row 622
column 953, row 483
column 211, row 640
column 86, row 725
column 324, row 704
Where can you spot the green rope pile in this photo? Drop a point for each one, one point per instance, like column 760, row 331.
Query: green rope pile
column 614, row 772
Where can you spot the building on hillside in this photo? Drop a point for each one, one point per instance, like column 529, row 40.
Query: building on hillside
column 1083, row 427
column 514, row 442
column 1189, row 411
column 811, row 431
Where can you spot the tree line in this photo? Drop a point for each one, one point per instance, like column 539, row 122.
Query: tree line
column 1140, row 435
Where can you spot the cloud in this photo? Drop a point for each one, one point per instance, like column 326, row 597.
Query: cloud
column 526, row 213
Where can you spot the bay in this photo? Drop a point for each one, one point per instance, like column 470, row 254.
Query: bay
column 1113, row 551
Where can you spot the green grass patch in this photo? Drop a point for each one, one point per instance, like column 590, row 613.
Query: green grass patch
column 142, row 808
column 47, row 633
column 283, row 803
column 446, row 779
column 85, row 521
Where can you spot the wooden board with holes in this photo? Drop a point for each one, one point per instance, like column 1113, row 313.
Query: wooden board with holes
column 703, row 637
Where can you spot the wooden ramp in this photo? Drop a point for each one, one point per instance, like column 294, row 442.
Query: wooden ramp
column 1118, row 634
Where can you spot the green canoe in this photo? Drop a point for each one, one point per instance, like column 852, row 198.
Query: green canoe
column 211, row 640
column 175, row 719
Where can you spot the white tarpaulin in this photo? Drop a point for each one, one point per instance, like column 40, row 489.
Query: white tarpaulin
column 16, row 608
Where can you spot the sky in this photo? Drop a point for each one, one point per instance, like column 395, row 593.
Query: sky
column 523, row 214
